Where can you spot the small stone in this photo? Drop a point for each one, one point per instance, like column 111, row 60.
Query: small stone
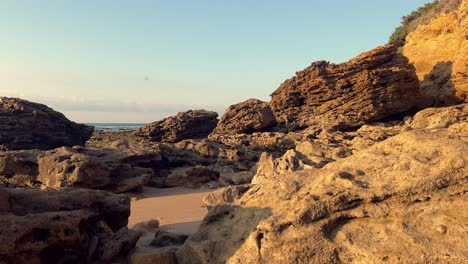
column 441, row 229
column 147, row 226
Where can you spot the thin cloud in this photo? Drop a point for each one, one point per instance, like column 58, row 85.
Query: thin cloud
column 80, row 104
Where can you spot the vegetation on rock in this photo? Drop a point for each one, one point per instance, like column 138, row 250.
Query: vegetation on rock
column 420, row 16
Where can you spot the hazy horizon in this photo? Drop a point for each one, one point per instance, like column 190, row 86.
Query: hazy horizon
column 137, row 62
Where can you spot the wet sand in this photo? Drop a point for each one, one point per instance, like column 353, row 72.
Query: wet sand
column 179, row 210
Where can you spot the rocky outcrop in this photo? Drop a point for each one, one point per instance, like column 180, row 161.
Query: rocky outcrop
column 226, row 195
column 191, row 176
column 27, row 125
column 161, row 249
column 404, row 194
column 247, row 117
column 67, row 226
column 444, row 117
column 234, row 158
column 72, row 167
column 438, row 50
column 371, row 86
column 290, row 161
column 185, row 125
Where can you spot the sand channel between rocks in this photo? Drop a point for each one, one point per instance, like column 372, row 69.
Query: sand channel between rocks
column 179, row 210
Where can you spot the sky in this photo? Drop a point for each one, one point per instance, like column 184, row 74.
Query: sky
column 139, row 61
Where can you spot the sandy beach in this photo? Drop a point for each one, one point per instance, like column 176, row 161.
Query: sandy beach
column 179, row 210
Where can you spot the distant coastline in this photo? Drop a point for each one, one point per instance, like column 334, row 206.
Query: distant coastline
column 115, row 126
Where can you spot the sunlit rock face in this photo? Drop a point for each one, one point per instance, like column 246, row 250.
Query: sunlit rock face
column 439, row 52
column 369, row 87
column 401, row 200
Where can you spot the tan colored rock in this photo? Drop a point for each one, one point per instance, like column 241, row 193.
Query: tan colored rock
column 72, row 167
column 28, row 125
column 65, row 167
column 369, row 87
column 460, row 129
column 225, row 196
column 439, row 52
column 249, row 116
column 385, row 203
column 147, row 226
column 19, row 167
column 290, row 161
column 433, row 118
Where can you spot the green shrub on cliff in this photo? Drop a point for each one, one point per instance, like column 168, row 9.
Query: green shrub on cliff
column 420, row 16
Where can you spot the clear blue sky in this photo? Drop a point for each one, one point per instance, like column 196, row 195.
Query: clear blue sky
column 140, row 60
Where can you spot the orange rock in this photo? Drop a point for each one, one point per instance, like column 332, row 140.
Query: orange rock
column 439, row 52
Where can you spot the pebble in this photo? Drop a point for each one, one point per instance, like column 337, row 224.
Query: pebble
column 441, row 229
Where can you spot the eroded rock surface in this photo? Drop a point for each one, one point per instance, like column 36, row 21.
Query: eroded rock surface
column 192, row 124
column 406, row 194
column 28, row 125
column 72, row 167
column 371, row 86
column 439, row 52
column 443, row 117
column 67, row 226
column 249, row 116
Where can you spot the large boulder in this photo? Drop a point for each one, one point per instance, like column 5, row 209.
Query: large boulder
column 247, row 117
column 72, row 167
column 67, row 226
column 400, row 201
column 192, row 124
column 439, row 52
column 27, row 125
column 371, row 86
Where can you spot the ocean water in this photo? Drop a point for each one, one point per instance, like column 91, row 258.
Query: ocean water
column 116, row 126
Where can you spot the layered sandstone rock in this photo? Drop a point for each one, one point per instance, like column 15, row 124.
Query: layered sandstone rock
column 371, row 86
column 247, row 117
column 439, row 52
column 406, row 194
column 27, row 125
column 67, row 226
column 185, row 125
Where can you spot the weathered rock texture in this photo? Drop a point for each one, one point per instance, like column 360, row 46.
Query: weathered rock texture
column 444, row 117
column 27, row 125
column 247, row 117
column 402, row 200
column 233, row 158
column 185, row 125
column 72, row 167
column 439, row 52
column 371, row 86
column 67, row 226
